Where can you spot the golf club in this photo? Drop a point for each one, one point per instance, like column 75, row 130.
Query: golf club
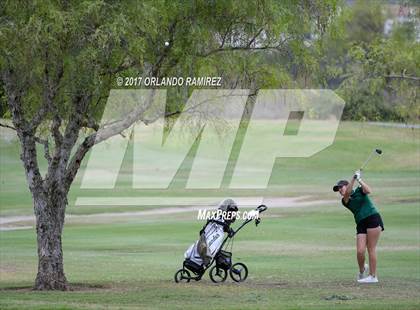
column 375, row 151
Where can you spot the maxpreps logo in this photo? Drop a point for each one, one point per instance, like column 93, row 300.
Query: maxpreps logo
column 278, row 123
column 205, row 215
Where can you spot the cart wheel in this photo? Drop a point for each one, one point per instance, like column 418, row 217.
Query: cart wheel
column 182, row 275
column 238, row 272
column 217, row 274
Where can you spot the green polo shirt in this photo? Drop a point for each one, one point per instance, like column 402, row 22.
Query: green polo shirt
column 360, row 205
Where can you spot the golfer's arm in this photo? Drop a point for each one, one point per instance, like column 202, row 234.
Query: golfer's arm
column 348, row 191
column 365, row 187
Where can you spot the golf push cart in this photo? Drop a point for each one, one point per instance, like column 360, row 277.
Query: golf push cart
column 221, row 264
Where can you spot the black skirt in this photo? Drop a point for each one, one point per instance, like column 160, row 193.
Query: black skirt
column 371, row 221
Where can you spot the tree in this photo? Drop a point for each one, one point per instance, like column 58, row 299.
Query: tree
column 377, row 75
column 59, row 60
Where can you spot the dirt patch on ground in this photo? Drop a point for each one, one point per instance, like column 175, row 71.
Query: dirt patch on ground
column 17, row 289
column 72, row 287
column 268, row 284
column 88, row 287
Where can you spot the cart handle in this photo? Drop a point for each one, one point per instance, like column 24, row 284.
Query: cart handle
column 261, row 208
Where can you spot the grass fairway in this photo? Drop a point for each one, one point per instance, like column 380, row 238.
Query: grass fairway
column 298, row 258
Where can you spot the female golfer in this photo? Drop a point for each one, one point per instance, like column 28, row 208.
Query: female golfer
column 368, row 221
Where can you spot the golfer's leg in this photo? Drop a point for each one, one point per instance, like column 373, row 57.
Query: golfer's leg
column 372, row 239
column 361, row 250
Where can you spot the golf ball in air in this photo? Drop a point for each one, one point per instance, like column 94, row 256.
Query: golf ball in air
column 166, row 43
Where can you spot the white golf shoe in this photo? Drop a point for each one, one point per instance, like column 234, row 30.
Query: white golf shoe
column 364, row 274
column 369, row 279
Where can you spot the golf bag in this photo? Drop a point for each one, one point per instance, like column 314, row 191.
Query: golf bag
column 201, row 253
column 204, row 249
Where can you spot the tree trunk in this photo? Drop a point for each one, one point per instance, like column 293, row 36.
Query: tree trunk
column 49, row 213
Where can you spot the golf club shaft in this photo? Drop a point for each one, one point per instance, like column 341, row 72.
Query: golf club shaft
column 367, row 160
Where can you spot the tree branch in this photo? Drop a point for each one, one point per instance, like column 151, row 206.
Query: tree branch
column 255, row 37
column 102, row 134
column 226, row 33
column 124, row 65
column 55, row 130
column 7, row 126
column 38, row 140
column 245, row 47
column 404, row 77
column 71, row 133
column 76, row 160
column 14, row 101
column 50, row 89
column 90, row 123
column 190, row 109
column 24, row 132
